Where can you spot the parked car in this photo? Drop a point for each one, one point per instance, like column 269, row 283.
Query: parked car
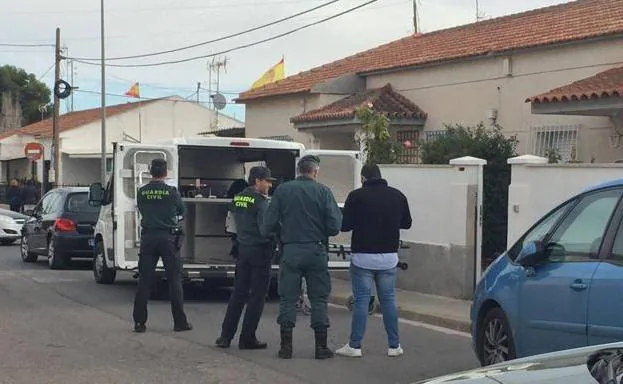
column 595, row 364
column 60, row 227
column 560, row 286
column 11, row 226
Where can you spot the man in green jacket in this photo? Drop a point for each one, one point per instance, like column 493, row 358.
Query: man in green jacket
column 305, row 214
column 160, row 205
column 253, row 265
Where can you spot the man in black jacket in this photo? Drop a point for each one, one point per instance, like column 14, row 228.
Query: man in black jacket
column 375, row 213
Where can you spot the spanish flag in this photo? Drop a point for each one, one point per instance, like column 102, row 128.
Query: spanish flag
column 275, row 73
column 134, row 91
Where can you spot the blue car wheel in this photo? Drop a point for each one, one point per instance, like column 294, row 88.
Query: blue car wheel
column 494, row 341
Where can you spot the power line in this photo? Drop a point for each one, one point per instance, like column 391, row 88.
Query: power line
column 168, row 9
column 25, row 45
column 148, row 98
column 169, row 88
column 46, row 72
column 218, row 39
column 235, row 48
column 184, row 33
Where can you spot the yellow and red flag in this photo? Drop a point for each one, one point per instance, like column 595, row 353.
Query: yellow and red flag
column 134, row 91
column 275, row 73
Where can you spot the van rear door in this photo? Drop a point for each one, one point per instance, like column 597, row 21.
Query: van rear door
column 340, row 171
column 131, row 171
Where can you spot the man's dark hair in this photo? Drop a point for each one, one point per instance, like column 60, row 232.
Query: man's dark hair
column 158, row 168
column 371, row 172
column 307, row 167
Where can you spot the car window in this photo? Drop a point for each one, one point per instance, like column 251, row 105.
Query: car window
column 47, row 203
column 580, row 233
column 617, row 247
column 539, row 232
column 79, row 202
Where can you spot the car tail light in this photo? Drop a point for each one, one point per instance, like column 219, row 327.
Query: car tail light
column 64, row 225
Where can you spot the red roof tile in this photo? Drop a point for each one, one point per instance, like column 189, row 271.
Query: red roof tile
column 384, row 100
column 72, row 120
column 604, row 84
column 573, row 21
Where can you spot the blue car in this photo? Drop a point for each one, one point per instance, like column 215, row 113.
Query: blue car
column 560, row 286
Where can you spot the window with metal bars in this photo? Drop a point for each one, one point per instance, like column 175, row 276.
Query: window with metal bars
column 556, row 141
column 409, row 155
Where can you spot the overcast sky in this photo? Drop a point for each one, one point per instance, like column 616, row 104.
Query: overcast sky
column 135, row 27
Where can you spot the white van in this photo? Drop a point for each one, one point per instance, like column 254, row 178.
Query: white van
column 203, row 169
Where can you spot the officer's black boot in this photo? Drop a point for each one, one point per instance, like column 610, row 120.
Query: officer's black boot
column 286, row 343
column 322, row 351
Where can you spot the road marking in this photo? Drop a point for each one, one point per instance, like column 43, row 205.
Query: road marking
column 413, row 323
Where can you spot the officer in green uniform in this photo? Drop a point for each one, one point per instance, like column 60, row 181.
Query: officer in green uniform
column 255, row 253
column 160, row 205
column 305, row 214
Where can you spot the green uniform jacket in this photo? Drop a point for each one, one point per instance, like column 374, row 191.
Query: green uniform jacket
column 248, row 208
column 159, row 205
column 302, row 211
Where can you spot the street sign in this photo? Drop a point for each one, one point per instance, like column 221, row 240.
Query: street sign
column 33, row 151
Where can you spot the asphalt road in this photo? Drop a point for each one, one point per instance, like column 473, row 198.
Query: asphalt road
column 61, row 327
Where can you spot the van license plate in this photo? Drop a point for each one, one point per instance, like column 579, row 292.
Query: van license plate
column 91, row 243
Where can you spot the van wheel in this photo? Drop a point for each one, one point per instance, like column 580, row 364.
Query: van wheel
column 494, row 341
column 101, row 272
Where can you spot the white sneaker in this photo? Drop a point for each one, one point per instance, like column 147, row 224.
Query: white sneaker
column 349, row 351
column 395, row 352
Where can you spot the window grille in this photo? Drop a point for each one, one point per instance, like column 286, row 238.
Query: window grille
column 409, row 155
column 559, row 139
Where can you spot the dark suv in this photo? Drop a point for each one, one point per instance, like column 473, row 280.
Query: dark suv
column 60, row 227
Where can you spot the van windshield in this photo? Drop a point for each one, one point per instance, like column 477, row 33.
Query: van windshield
column 216, row 171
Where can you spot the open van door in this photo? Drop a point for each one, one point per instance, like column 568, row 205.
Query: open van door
column 131, row 171
column 340, row 171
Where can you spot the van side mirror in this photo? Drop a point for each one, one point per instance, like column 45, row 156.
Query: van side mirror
column 531, row 254
column 96, row 194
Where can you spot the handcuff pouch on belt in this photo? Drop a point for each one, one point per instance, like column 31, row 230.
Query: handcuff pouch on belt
column 178, row 233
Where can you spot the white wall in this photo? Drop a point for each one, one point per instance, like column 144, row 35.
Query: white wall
column 438, row 198
column 536, row 188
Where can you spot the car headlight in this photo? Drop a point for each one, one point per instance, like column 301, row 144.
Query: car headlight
column 7, row 220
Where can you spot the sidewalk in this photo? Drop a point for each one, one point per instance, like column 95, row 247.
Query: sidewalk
column 430, row 309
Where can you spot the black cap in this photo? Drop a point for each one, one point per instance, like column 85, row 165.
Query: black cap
column 261, row 173
column 310, row 159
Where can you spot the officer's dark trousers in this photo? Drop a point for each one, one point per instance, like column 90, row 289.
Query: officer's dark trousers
column 309, row 260
column 154, row 245
column 250, row 287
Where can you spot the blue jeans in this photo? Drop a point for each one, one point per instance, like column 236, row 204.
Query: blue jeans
column 362, row 280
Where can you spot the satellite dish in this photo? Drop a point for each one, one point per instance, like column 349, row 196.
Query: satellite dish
column 219, row 101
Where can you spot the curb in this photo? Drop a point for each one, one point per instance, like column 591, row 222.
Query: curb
column 410, row 314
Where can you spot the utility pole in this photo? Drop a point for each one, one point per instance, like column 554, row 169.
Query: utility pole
column 216, row 67
column 71, row 66
column 477, row 12
column 103, row 97
column 57, row 102
column 198, row 88
column 416, row 28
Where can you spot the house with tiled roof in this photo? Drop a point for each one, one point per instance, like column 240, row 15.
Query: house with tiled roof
column 550, row 76
column 80, row 132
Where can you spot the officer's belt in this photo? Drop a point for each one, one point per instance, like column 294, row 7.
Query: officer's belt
column 319, row 242
column 170, row 231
